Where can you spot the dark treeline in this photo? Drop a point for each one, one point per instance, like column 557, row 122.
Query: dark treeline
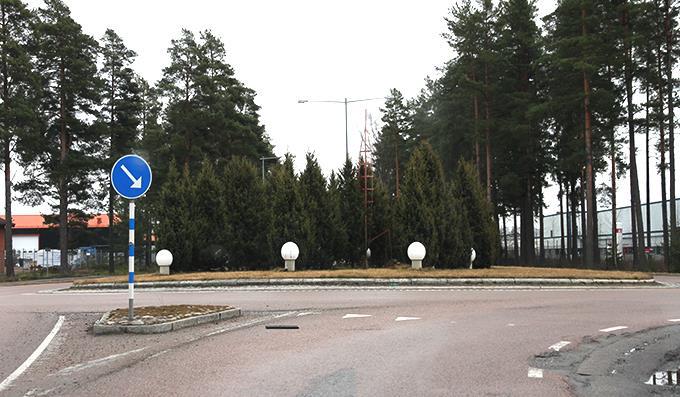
column 567, row 103
column 515, row 107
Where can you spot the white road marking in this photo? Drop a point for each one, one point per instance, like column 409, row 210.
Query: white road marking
column 610, row 329
column 357, row 315
column 675, row 320
column 453, row 322
column 305, row 314
column 94, row 363
column 535, row 373
column 406, row 318
column 559, row 345
column 246, row 324
column 23, row 367
column 511, row 324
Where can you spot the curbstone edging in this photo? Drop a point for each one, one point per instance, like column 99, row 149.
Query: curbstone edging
column 101, row 328
column 387, row 282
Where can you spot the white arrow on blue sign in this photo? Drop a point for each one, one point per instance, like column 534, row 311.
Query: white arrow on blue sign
column 131, row 176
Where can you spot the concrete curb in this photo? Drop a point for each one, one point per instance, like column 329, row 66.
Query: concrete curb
column 101, row 328
column 373, row 282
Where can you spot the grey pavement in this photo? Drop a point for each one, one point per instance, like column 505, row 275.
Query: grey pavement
column 349, row 343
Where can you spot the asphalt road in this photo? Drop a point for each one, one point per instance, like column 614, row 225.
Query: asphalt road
column 350, row 342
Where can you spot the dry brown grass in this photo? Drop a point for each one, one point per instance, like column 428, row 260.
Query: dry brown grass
column 156, row 314
column 494, row 272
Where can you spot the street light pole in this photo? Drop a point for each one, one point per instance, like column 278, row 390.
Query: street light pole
column 263, row 159
column 346, row 134
column 345, row 102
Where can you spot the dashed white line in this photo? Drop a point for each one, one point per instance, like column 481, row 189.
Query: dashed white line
column 610, row 329
column 23, row 367
column 406, row 318
column 99, row 361
column 511, row 324
column 356, row 315
column 535, row 373
column 305, row 314
column 559, row 345
column 675, row 320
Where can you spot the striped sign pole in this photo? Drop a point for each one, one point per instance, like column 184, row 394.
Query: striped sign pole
column 131, row 263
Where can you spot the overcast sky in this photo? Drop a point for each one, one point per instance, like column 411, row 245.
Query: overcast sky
column 297, row 49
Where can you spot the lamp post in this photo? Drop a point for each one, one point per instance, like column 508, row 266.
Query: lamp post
column 345, row 102
column 263, row 159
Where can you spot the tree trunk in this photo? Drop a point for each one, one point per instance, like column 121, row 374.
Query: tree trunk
column 573, row 201
column 63, row 186
column 668, row 30
column 647, row 169
column 9, row 253
column 585, row 242
column 588, row 140
column 662, row 167
column 541, row 231
column 637, row 227
column 487, row 129
column 527, row 226
column 505, row 239
column 613, row 166
column 516, row 242
column 560, row 196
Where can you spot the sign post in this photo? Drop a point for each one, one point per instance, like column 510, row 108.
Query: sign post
column 131, row 178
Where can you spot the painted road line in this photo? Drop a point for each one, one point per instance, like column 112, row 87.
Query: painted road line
column 245, row 324
column 356, row 315
column 559, row 345
column 406, row 318
column 610, row 329
column 94, row 363
column 305, row 314
column 23, row 367
column 535, row 373
column 511, row 324
column 675, row 320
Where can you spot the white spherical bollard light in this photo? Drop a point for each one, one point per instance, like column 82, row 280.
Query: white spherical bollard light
column 164, row 260
column 289, row 253
column 416, row 253
column 473, row 256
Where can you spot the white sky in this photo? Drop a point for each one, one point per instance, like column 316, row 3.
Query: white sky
column 298, row 49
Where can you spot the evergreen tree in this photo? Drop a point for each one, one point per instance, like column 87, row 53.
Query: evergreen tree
column 380, row 226
column 206, row 212
column 247, row 216
column 175, row 228
column 210, row 113
column 18, row 113
column 420, row 204
column 120, row 113
column 478, row 215
column 283, row 194
column 336, row 241
column 314, row 248
column 455, row 233
column 64, row 154
column 351, row 215
column 394, row 142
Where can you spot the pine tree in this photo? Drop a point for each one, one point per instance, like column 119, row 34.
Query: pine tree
column 66, row 151
column 455, row 232
column 18, row 111
column 120, row 111
column 247, row 216
column 394, row 142
column 209, row 113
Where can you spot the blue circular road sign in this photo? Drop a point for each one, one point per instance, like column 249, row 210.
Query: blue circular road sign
column 131, row 176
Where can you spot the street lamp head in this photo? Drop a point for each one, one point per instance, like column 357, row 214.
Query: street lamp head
column 416, row 251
